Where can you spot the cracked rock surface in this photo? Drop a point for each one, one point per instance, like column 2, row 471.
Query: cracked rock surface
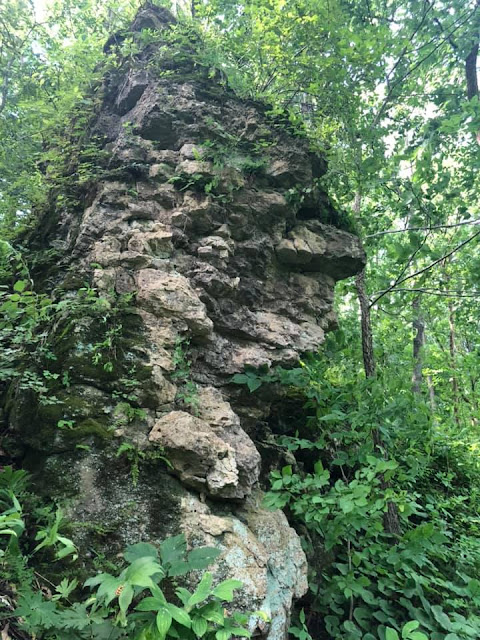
column 192, row 220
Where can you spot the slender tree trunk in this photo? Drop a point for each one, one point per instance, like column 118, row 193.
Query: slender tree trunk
column 471, row 74
column 474, row 414
column 431, row 396
column 418, row 324
column 367, row 336
column 391, row 521
column 453, row 358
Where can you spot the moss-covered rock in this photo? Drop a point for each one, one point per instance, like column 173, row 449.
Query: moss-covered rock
column 199, row 248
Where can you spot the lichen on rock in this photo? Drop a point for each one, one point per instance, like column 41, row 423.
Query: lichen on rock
column 199, row 233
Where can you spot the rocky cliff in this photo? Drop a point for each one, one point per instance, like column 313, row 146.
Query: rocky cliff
column 207, row 247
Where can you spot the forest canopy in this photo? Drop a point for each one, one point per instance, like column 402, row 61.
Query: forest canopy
column 387, row 92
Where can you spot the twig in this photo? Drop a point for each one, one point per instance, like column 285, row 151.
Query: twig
column 416, row 65
column 427, row 268
column 433, row 228
column 432, row 292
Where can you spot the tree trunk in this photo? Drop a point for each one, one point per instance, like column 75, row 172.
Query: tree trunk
column 367, row 336
column 453, row 358
column 471, row 74
column 431, row 396
column 391, row 521
column 418, row 324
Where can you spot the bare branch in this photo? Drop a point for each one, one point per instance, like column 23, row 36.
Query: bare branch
column 433, row 228
column 390, row 93
column 432, row 292
column 427, row 268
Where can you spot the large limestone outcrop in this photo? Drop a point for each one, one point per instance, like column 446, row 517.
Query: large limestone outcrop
column 206, row 223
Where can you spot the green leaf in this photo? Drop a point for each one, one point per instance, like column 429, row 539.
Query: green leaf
column 253, row 384
column 179, row 615
column 140, row 550
column 201, row 592
column 172, row 550
column 140, row 572
column 409, row 627
column 96, row 580
column 352, row 628
column 441, row 617
column 150, row 604
column 108, row 587
column 163, row 621
column 224, row 590
column 213, row 612
column 125, row 598
column 202, row 557
column 183, row 595
column 199, row 627
column 20, row 286
column 391, row 634
column 180, row 568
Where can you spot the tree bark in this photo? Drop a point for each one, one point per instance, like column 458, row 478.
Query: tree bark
column 471, row 72
column 418, row 324
column 391, row 520
column 453, row 358
column 366, row 324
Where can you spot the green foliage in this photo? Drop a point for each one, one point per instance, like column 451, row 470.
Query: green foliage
column 13, row 523
column 49, row 77
column 127, row 604
column 187, row 391
column 340, row 492
column 409, row 632
column 132, row 603
column 135, row 456
column 49, row 537
column 35, row 329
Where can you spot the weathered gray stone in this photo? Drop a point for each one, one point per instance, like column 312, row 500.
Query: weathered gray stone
column 202, row 460
column 170, row 294
column 258, row 548
column 131, row 91
column 319, row 247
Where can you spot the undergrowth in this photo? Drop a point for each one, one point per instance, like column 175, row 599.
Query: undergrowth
column 365, row 583
column 130, row 602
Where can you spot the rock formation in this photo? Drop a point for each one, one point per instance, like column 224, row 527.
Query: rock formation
column 205, row 239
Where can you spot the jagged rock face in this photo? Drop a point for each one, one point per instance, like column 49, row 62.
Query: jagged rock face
column 196, row 217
